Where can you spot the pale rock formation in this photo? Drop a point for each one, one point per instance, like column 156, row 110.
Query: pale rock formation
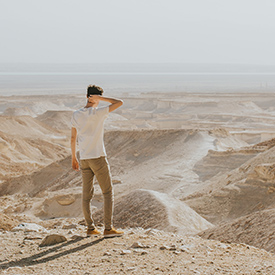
column 29, row 227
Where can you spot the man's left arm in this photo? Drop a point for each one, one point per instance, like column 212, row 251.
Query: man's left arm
column 75, row 164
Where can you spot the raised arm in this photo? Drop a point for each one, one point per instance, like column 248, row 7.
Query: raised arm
column 75, row 164
column 115, row 103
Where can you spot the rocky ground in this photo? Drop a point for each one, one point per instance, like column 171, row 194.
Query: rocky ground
column 139, row 251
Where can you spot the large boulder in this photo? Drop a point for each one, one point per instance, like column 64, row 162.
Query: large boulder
column 53, row 239
column 151, row 209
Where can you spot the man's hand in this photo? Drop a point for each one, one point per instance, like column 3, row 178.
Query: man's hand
column 75, row 164
column 94, row 98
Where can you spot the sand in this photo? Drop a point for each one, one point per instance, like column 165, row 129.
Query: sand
column 185, row 167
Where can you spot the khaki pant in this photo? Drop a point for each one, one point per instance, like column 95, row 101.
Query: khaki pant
column 100, row 168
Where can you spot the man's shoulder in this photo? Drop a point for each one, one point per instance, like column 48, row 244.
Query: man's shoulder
column 103, row 109
column 78, row 111
column 91, row 111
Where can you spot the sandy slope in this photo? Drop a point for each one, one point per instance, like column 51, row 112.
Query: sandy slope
column 246, row 189
column 163, row 159
column 59, row 120
column 27, row 144
column 256, row 229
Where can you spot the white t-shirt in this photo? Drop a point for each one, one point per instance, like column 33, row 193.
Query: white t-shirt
column 89, row 123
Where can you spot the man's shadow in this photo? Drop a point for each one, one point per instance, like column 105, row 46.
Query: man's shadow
column 36, row 259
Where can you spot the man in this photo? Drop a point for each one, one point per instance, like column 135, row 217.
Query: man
column 88, row 127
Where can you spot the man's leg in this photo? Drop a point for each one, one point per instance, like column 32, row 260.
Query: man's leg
column 87, row 192
column 101, row 169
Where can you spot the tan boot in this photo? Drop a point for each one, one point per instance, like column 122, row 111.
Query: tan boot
column 112, row 233
column 93, row 232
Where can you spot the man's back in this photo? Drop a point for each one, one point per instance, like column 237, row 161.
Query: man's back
column 89, row 123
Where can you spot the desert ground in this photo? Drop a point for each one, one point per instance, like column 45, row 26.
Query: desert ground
column 194, row 181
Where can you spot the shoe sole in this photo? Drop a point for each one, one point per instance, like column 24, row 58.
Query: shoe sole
column 112, row 235
column 94, row 234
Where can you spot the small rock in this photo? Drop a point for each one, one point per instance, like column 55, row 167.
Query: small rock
column 172, row 247
column 69, row 226
column 107, row 254
column 132, row 268
column 222, row 245
column 184, row 248
column 65, row 199
column 139, row 245
column 141, row 251
column 125, row 251
column 53, row 239
column 244, row 245
column 166, row 247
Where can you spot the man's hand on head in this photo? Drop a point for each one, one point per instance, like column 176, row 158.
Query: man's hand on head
column 94, row 98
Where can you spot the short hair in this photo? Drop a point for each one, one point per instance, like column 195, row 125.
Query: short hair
column 94, row 90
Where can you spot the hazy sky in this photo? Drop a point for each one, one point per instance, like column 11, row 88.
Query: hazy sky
column 188, row 31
